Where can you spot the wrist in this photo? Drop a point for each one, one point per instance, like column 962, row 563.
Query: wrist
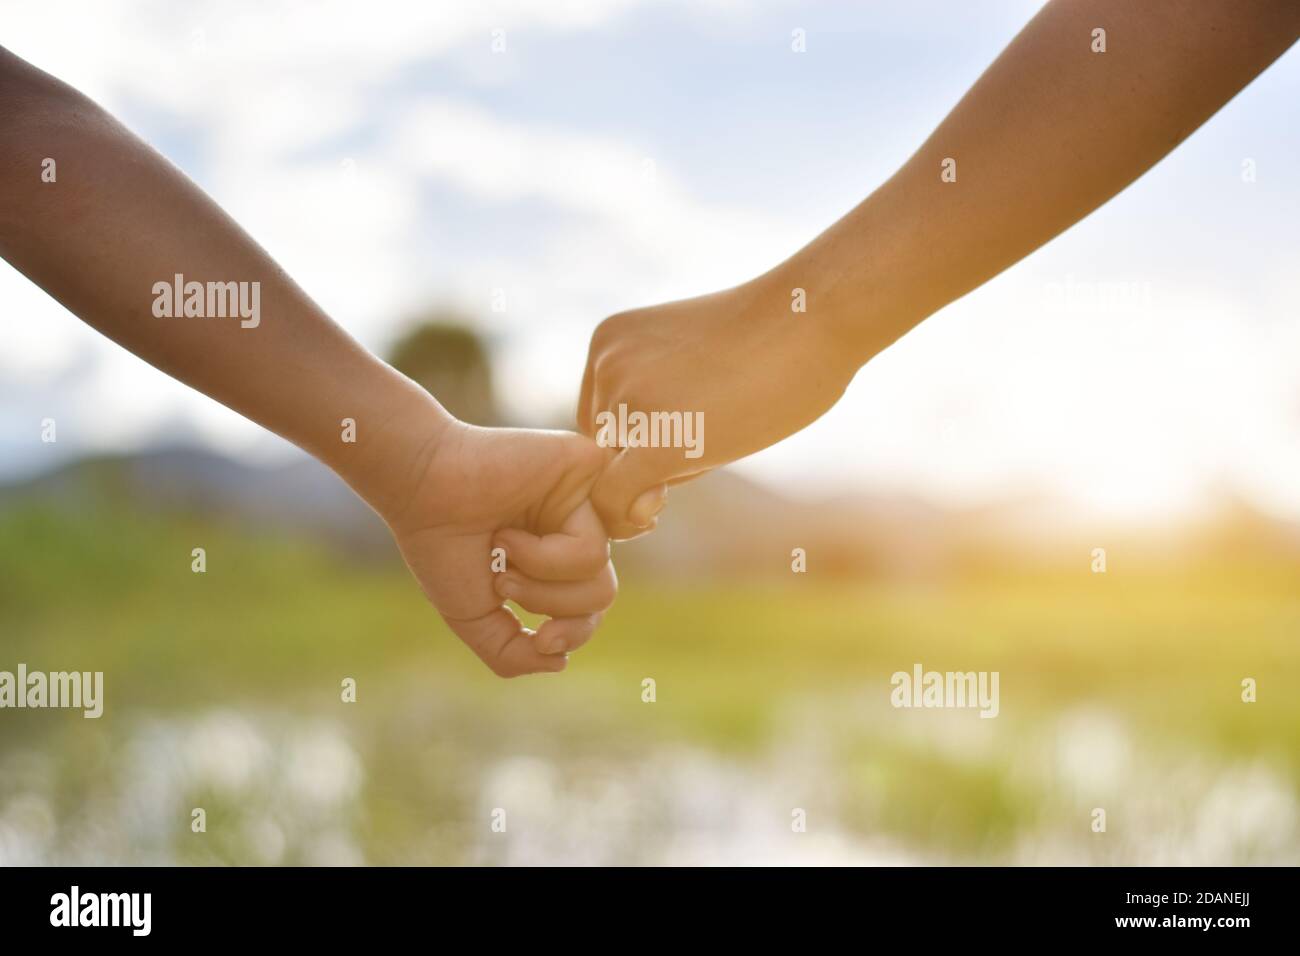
column 856, row 294
column 813, row 299
column 389, row 453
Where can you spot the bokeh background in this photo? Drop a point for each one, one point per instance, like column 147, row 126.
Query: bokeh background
column 470, row 188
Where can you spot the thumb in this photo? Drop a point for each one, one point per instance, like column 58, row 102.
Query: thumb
column 631, row 490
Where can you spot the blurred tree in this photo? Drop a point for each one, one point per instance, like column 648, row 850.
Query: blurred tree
column 444, row 353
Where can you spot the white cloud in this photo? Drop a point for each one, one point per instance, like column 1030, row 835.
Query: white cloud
column 622, row 193
column 296, row 116
column 165, row 53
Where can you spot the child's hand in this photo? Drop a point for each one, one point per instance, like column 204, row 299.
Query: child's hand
column 471, row 490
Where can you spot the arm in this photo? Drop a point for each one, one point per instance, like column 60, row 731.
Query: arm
column 118, row 219
column 1050, row 132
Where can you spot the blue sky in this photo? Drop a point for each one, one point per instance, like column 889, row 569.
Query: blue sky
column 617, row 153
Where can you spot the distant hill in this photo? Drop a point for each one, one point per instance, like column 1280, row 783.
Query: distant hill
column 721, row 525
column 302, row 496
column 717, row 525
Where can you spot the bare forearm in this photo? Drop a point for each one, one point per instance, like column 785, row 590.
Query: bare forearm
column 118, row 222
column 1051, row 131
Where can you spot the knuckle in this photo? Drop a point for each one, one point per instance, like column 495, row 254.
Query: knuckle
column 606, row 594
column 588, row 457
column 605, row 500
column 611, row 330
column 603, row 336
column 595, row 555
column 502, row 669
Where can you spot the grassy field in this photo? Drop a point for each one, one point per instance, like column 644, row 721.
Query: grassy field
column 1119, row 691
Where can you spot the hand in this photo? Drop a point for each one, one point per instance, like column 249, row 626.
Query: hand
column 756, row 370
column 470, row 490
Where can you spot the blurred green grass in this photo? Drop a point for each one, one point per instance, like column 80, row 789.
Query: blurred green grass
column 279, row 622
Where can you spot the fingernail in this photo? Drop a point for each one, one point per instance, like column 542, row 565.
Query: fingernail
column 647, row 505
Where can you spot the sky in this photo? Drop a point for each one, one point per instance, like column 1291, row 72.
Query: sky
column 620, row 152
